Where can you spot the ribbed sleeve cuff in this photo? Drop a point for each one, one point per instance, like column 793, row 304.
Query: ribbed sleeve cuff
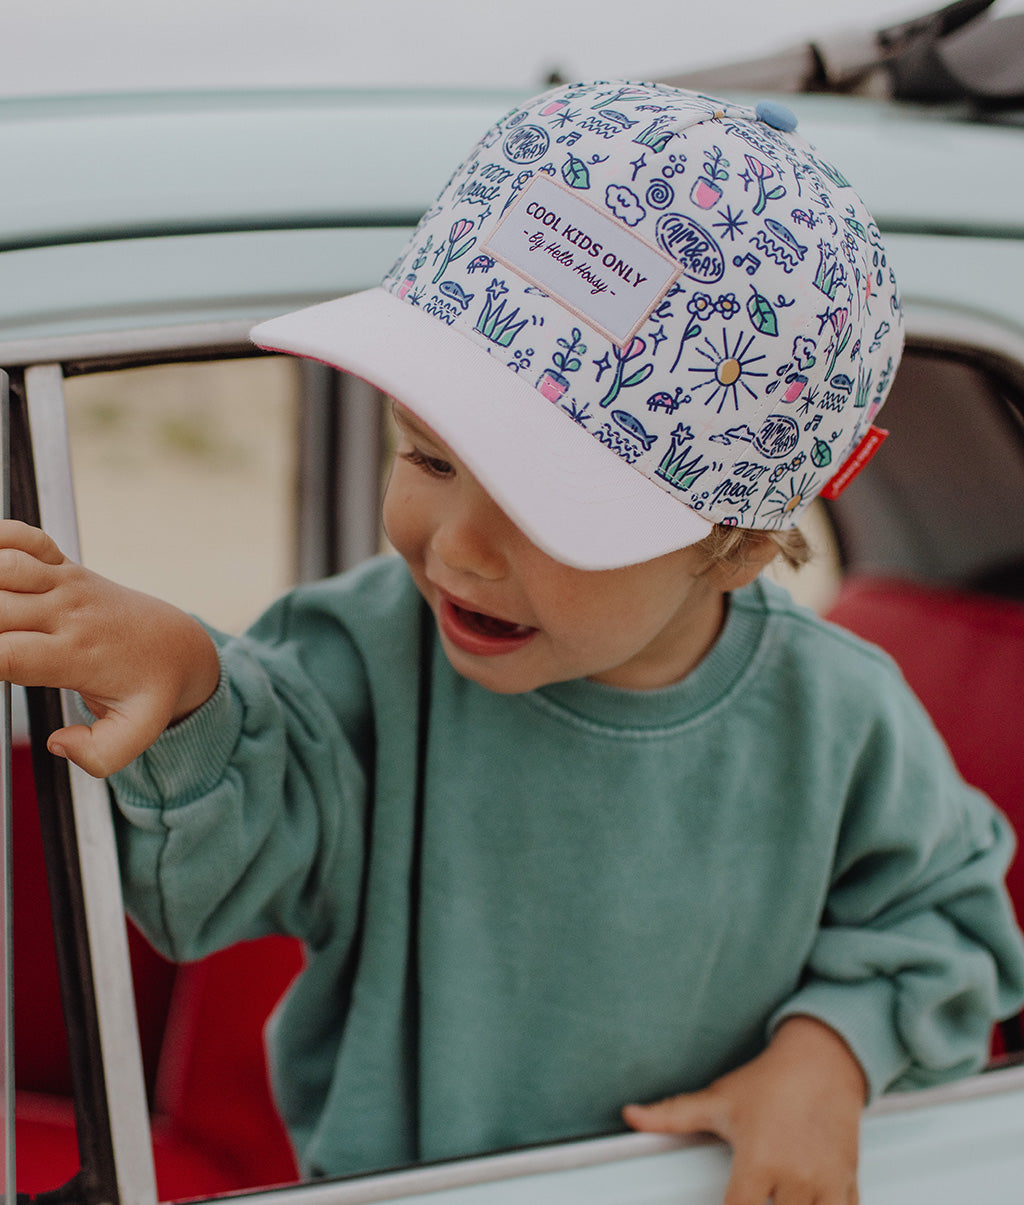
column 188, row 758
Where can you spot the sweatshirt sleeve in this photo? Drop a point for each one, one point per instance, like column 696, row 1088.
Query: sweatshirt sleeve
column 248, row 817
column 918, row 949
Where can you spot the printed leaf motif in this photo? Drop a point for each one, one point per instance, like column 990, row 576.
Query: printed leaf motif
column 821, row 454
column 569, row 361
column 638, row 377
column 762, row 315
column 576, row 173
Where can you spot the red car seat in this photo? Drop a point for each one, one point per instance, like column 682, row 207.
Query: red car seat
column 963, row 655
column 213, row 1122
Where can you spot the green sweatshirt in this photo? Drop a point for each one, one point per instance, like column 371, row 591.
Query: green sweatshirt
column 521, row 912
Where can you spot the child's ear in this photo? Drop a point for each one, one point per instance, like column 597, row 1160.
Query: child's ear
column 734, row 572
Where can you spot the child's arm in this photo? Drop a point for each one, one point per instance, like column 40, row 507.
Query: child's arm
column 791, row 1115
column 139, row 663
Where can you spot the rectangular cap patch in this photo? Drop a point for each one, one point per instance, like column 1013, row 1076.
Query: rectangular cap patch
column 589, row 262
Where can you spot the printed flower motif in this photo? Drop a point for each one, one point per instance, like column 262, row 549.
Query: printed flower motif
column 700, row 305
column 635, row 347
column 459, row 243
column 727, row 305
column 761, row 172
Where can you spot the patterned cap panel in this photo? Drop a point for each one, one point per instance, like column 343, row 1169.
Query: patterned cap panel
column 685, row 278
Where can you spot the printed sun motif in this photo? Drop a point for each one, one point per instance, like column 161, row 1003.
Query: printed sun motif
column 727, row 366
column 784, row 498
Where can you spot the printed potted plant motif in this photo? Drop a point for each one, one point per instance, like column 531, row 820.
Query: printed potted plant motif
column 552, row 382
column 706, row 192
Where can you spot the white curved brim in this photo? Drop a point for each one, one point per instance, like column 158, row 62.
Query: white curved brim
column 573, row 497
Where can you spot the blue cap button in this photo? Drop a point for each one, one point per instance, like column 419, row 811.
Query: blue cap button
column 776, row 114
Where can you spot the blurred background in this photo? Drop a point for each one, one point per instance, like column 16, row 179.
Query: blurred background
column 67, row 46
column 187, row 477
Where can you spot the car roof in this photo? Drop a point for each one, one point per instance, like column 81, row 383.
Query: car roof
column 133, row 164
column 170, row 208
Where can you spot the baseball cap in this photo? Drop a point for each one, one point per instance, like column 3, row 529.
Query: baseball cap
column 633, row 312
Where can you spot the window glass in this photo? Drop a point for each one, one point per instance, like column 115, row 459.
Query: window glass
column 943, row 500
column 185, row 481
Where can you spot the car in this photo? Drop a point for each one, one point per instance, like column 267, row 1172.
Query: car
column 141, row 237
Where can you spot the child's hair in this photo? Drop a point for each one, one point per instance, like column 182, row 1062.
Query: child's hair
column 725, row 545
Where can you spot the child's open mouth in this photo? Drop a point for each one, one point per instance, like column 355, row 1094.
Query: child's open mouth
column 480, row 634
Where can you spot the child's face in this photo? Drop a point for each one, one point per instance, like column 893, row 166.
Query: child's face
column 512, row 618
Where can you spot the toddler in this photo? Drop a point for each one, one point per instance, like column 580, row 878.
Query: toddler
column 573, row 811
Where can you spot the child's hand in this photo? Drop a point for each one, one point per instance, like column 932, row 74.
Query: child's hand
column 791, row 1115
column 139, row 663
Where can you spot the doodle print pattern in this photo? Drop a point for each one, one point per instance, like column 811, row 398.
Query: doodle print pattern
column 781, row 311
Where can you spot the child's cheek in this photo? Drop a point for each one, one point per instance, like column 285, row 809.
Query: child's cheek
column 398, row 515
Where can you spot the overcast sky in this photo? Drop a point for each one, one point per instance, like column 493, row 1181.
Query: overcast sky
column 97, row 45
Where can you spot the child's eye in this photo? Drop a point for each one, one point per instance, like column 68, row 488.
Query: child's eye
column 434, row 466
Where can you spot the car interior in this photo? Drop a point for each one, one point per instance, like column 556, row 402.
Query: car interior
column 927, row 546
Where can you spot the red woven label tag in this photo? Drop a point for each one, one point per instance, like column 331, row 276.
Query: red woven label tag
column 873, row 439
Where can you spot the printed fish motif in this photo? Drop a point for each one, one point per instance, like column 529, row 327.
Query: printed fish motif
column 456, row 292
column 633, row 426
column 786, row 236
column 619, row 118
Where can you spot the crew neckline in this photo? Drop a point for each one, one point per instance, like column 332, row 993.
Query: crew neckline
column 715, row 676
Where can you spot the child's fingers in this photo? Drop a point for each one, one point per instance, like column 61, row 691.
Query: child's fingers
column 691, row 1113
column 23, row 573
column 759, row 1174
column 30, row 658
column 749, row 1188
column 759, row 1184
column 25, row 538
column 109, row 745
column 699, row 1112
column 77, row 745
